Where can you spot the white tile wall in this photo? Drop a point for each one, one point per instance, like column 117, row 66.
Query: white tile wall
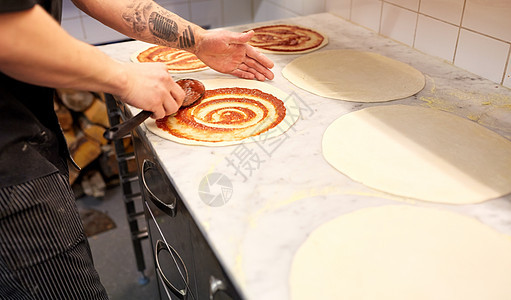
column 492, row 55
column 410, row 4
column 398, row 23
column 341, row 8
column 472, row 34
column 294, row 6
column 446, row 10
column 237, row 12
column 207, row 13
column 69, row 10
column 179, row 8
column 74, row 27
column 266, row 10
column 97, row 33
column 491, row 17
column 282, row 4
column 297, row 7
column 72, row 20
column 436, row 37
column 85, row 28
column 366, row 13
column 312, row 7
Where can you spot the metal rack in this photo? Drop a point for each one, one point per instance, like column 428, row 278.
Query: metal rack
column 130, row 188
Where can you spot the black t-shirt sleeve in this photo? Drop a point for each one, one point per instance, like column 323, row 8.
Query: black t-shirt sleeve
column 16, row 5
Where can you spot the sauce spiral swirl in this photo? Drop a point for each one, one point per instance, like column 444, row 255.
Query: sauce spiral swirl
column 226, row 114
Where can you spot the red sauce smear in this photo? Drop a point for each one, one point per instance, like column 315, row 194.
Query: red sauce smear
column 272, row 37
column 175, row 59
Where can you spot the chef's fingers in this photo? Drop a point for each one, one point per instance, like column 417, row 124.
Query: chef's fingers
column 259, row 57
column 171, row 102
column 160, row 110
column 256, row 73
column 242, row 73
column 255, row 59
column 167, row 107
column 165, row 97
column 158, row 113
column 170, row 107
column 177, row 92
column 258, row 70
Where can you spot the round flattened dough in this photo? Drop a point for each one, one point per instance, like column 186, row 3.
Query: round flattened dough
column 292, row 113
column 420, row 153
column 402, row 252
column 354, row 76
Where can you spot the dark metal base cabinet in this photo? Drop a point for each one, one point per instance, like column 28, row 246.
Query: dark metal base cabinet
column 185, row 265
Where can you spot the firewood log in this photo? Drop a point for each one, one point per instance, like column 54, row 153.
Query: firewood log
column 63, row 114
column 97, row 113
column 75, row 100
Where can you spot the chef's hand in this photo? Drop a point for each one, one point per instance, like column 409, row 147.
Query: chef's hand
column 228, row 52
column 149, row 86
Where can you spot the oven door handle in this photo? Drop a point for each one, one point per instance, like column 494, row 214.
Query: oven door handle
column 215, row 285
column 169, row 208
column 163, row 246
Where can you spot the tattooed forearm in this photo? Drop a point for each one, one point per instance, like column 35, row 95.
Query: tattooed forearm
column 163, row 27
column 187, row 40
column 152, row 23
column 136, row 16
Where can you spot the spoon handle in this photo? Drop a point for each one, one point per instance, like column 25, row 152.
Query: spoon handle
column 122, row 129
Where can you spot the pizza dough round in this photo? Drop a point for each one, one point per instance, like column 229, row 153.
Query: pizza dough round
column 420, row 153
column 287, row 39
column 291, row 116
column 354, row 76
column 178, row 61
column 402, row 252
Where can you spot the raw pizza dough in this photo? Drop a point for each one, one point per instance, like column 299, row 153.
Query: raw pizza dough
column 402, row 252
column 177, row 60
column 292, row 114
column 287, row 39
column 354, row 76
column 420, row 153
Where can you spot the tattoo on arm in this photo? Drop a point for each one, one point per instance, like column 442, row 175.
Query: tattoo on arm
column 187, row 39
column 136, row 15
column 163, row 27
column 143, row 16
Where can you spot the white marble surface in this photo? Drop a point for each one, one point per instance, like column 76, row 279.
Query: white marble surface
column 292, row 189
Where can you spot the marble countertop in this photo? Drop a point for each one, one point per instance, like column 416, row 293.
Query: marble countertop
column 283, row 191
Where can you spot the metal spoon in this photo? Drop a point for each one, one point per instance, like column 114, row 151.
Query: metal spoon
column 194, row 91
